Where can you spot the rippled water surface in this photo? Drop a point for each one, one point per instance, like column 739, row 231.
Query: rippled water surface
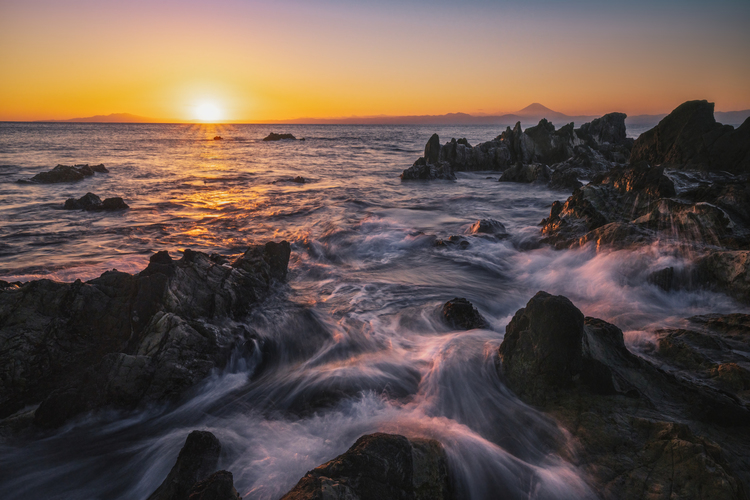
column 358, row 325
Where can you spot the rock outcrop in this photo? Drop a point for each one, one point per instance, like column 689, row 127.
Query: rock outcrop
column 641, row 431
column 122, row 340
column 382, row 466
column 273, row 136
column 603, row 140
column 92, row 202
column 689, row 137
column 197, row 461
column 67, row 173
column 536, row 173
column 217, row 486
column 461, row 314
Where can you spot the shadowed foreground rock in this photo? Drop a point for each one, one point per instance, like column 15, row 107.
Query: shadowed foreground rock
column 67, row 173
column 461, row 314
column 122, row 340
column 642, row 431
column 196, row 461
column 380, row 466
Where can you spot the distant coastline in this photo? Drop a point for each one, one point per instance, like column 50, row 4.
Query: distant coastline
column 528, row 116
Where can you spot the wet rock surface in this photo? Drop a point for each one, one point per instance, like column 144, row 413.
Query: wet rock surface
column 92, row 202
column 123, row 340
column 461, row 314
column 380, row 466
column 689, row 137
column 217, row 486
column 273, row 136
column 641, row 431
column 488, row 226
column 67, row 173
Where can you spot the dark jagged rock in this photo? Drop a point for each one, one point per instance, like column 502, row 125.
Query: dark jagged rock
column 440, row 162
column 67, row 173
column 380, row 466
column 461, row 314
column 488, row 226
column 432, row 150
column 217, row 486
column 640, row 431
column 273, row 136
column 689, row 137
column 620, row 196
column 218, row 138
column 607, row 136
column 196, row 461
column 586, row 163
column 609, row 129
column 547, row 145
column 424, row 172
column 92, row 202
column 122, row 340
column 299, row 179
column 564, row 180
column 530, row 173
column 539, row 144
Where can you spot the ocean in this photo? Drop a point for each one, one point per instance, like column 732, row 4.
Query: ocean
column 364, row 270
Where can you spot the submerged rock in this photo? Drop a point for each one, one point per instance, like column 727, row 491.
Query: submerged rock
column 639, row 430
column 299, row 179
column 461, row 314
column 382, row 466
column 488, row 226
column 196, row 461
column 218, row 138
column 689, row 137
column 66, row 173
column 122, row 340
column 273, row 136
column 92, row 202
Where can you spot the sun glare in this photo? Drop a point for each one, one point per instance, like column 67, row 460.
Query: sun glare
column 207, row 112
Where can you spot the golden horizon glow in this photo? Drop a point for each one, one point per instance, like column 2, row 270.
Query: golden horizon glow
column 262, row 62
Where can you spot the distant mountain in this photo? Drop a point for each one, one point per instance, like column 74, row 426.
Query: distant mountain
column 528, row 116
column 112, row 118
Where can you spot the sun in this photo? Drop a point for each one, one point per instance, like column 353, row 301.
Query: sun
column 208, row 112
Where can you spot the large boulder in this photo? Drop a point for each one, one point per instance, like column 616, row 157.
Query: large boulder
column 122, row 340
column 689, row 137
column 196, row 461
column 422, row 171
column 217, row 486
column 542, row 346
column 607, row 135
column 380, row 466
column 639, row 430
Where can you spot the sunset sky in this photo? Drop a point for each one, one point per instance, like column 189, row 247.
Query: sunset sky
column 258, row 61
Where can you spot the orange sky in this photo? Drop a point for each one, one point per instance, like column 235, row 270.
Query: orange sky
column 254, row 61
